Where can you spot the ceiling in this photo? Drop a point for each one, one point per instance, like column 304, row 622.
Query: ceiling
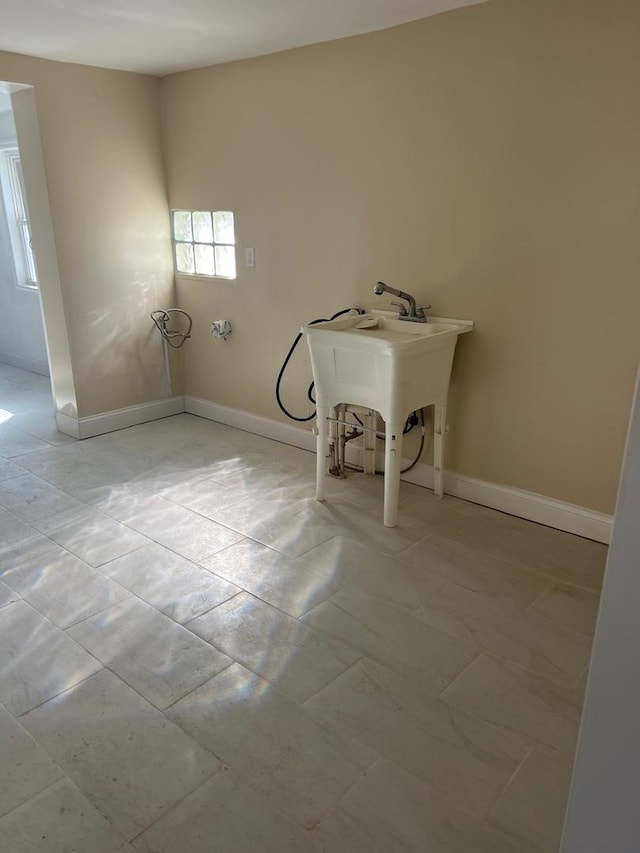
column 163, row 36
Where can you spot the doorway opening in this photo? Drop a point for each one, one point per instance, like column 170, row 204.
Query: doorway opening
column 26, row 402
column 37, row 393
column 22, row 337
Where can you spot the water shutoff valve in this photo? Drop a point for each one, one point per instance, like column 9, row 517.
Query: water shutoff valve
column 221, row 329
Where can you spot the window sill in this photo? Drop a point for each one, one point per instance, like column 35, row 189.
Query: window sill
column 191, row 276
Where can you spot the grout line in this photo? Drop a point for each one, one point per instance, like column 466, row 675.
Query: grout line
column 328, row 684
column 193, row 690
column 64, row 777
column 186, row 624
column 440, row 695
column 540, row 596
column 550, row 680
column 97, row 613
column 66, row 689
column 175, row 805
column 529, row 752
column 380, row 759
column 87, row 619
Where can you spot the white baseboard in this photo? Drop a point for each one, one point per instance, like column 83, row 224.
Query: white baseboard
column 543, row 510
column 31, row 364
column 256, row 424
column 554, row 513
column 67, row 425
column 129, row 416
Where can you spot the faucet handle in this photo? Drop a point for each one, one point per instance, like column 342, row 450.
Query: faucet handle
column 423, row 307
column 402, row 309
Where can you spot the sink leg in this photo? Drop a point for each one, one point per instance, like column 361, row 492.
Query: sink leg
column 370, row 422
column 392, row 460
column 321, row 450
column 439, row 430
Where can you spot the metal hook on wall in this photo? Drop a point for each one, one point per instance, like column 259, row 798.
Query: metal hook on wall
column 174, row 337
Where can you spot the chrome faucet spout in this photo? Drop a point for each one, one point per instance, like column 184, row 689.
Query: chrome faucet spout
column 415, row 312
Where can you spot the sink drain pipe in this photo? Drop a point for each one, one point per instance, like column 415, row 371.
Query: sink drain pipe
column 339, row 458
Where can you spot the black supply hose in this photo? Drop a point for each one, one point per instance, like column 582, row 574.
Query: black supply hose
column 310, row 396
column 411, row 420
column 420, row 449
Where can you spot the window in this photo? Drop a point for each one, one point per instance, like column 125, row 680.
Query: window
column 204, row 243
column 14, row 201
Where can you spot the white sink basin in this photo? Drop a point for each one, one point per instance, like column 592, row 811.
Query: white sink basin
column 396, row 368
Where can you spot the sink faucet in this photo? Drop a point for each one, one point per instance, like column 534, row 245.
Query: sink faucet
column 415, row 312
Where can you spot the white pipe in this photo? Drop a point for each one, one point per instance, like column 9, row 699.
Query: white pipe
column 167, row 367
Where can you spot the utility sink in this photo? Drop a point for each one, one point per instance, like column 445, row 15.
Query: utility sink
column 392, row 366
column 395, row 368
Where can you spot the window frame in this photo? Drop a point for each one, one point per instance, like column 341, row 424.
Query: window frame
column 17, row 214
column 193, row 242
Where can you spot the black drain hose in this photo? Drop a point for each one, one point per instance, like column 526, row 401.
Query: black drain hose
column 412, row 420
column 288, row 358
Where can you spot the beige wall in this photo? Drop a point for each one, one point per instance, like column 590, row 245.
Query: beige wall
column 103, row 160
column 485, row 160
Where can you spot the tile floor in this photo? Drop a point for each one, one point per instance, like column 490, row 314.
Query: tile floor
column 196, row 656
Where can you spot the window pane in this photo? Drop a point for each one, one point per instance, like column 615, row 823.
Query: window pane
column 28, row 252
column 223, row 227
column 184, row 258
column 202, row 230
column 182, row 225
column 226, row 261
column 204, row 260
column 17, row 181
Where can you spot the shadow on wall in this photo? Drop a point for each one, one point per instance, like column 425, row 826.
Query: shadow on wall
column 123, row 341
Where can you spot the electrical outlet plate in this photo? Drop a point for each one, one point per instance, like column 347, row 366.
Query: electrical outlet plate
column 250, row 258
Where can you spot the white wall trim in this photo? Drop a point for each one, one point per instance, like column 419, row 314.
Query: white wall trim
column 256, row 424
column 67, row 425
column 31, row 364
column 554, row 513
column 129, row 416
column 543, row 510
